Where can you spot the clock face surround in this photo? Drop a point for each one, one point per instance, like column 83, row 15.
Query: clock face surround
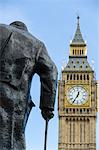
column 77, row 95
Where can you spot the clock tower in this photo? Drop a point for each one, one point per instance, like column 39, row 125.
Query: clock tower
column 77, row 99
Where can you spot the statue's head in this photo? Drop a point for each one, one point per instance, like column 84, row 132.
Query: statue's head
column 19, row 25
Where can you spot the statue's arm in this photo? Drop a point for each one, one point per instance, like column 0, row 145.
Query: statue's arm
column 47, row 71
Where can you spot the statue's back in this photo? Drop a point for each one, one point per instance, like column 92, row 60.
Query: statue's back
column 16, row 69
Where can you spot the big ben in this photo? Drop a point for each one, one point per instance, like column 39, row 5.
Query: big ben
column 77, row 99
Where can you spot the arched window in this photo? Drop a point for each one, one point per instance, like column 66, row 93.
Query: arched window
column 73, row 110
column 77, row 77
column 81, row 77
column 80, row 110
column 84, row 77
column 80, row 51
column 66, row 110
column 87, row 110
column 74, row 76
column 77, row 51
column 71, row 77
column 67, row 76
column 73, row 51
column 87, row 76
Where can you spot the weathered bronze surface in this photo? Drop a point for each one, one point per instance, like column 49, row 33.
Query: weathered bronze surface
column 21, row 56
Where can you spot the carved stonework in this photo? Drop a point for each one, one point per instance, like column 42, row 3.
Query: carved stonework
column 77, row 100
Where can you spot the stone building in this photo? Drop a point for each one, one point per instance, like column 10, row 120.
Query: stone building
column 77, row 99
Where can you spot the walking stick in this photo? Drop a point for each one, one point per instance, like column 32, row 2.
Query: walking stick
column 46, row 129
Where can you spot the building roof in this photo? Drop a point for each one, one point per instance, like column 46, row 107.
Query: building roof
column 77, row 64
column 78, row 39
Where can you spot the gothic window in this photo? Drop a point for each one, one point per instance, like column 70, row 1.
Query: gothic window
column 77, row 77
column 71, row 77
column 87, row 77
column 84, row 109
column 81, row 132
column 81, row 111
column 84, row 132
column 66, row 110
column 73, row 131
column 66, row 119
column 84, row 77
column 87, row 110
column 77, row 110
column 76, row 52
column 67, row 76
column 70, row 131
column 73, row 110
column 81, row 77
column 73, row 51
column 80, row 51
column 74, row 76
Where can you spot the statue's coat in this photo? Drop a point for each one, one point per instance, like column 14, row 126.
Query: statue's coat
column 22, row 57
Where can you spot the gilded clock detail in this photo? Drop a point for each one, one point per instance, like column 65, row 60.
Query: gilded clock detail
column 77, row 95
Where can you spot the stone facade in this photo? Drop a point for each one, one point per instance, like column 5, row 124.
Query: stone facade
column 77, row 122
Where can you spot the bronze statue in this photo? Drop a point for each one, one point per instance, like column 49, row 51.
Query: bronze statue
column 21, row 56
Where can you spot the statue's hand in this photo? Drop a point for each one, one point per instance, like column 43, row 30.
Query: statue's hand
column 47, row 114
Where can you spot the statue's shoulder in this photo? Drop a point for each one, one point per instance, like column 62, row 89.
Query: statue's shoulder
column 35, row 39
column 4, row 27
column 37, row 43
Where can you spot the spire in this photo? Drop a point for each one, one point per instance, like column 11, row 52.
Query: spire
column 78, row 39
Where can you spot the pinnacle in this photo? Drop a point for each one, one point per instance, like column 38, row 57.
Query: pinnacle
column 78, row 39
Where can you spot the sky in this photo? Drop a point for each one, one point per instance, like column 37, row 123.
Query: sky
column 54, row 22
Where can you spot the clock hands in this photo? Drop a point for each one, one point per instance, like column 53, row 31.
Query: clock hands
column 76, row 97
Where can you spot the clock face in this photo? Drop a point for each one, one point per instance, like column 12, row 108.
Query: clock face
column 77, row 95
